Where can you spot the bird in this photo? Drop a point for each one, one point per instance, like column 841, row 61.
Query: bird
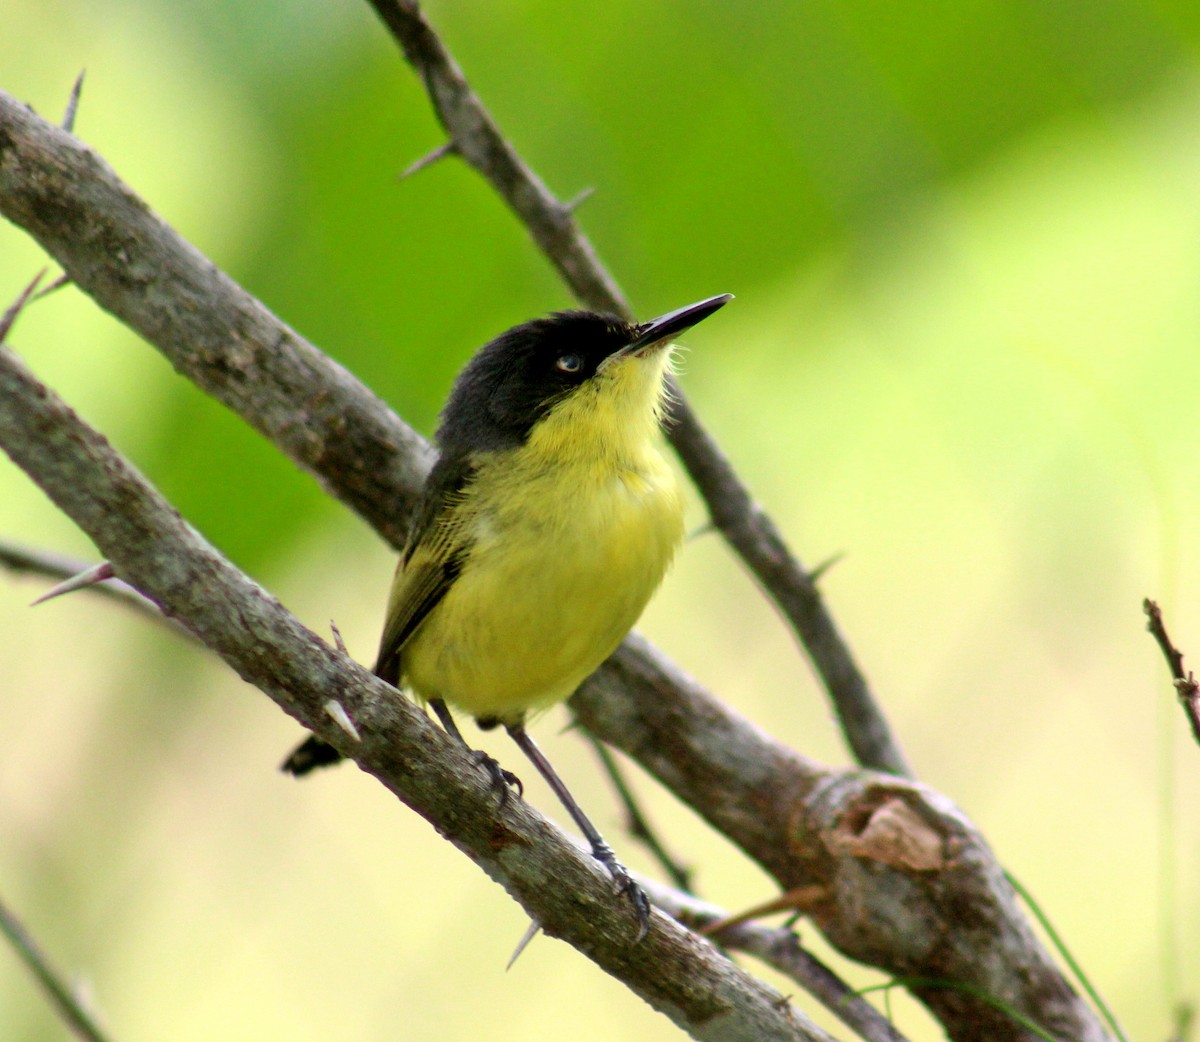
column 546, row 523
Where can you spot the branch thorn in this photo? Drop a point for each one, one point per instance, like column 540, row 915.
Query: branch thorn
column 96, row 574
column 523, row 943
column 337, row 713
column 573, row 204
column 441, row 152
column 68, row 123
column 337, row 636
column 802, row 899
column 819, row 571
column 63, row 280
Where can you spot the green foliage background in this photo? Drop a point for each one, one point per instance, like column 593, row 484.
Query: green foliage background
column 965, row 240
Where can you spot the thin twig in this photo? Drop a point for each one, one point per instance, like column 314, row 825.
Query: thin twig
column 13, row 311
column 743, row 523
column 782, row 951
column 53, row 983
column 1186, row 688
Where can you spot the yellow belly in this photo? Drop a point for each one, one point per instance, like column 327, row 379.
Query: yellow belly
column 549, row 590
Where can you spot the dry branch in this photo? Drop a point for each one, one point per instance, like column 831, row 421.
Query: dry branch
column 902, row 880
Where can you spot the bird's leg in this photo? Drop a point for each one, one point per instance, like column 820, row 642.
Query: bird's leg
column 601, row 851
column 502, row 780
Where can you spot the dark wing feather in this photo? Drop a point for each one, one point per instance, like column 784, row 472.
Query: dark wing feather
column 436, row 551
column 432, row 560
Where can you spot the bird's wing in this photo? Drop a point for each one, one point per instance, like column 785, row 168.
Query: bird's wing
column 437, row 549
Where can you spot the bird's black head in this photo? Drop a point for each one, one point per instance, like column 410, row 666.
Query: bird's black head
column 510, row 382
column 515, row 380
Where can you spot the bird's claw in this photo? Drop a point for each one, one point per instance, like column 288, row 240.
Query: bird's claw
column 625, row 884
column 503, row 781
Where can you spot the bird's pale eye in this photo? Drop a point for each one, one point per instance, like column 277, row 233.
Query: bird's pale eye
column 569, row 363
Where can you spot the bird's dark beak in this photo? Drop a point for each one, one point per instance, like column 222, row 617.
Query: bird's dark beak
column 666, row 327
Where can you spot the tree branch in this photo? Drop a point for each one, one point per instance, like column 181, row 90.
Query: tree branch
column 745, row 526
column 152, row 548
column 474, row 137
column 126, row 258
column 900, row 878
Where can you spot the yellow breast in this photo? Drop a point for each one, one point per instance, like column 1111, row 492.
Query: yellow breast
column 565, row 555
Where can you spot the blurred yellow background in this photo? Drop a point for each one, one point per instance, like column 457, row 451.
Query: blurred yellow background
column 965, row 241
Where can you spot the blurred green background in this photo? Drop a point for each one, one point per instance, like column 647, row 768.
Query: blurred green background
column 965, row 240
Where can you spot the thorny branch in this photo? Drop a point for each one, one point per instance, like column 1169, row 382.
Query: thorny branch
column 905, row 882
column 126, row 258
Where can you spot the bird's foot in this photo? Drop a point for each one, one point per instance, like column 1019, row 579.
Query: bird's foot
column 503, row 781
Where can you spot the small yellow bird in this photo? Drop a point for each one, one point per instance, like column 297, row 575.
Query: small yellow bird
column 546, row 524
